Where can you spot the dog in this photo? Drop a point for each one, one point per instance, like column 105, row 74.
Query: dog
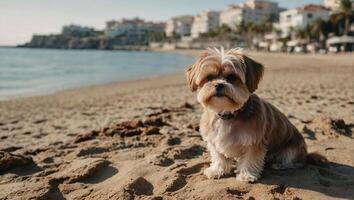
column 236, row 124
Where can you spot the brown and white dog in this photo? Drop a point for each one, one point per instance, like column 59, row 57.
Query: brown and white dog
column 237, row 124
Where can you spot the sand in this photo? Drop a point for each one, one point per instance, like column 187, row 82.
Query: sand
column 140, row 140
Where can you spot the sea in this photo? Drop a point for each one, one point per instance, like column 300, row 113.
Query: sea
column 27, row 72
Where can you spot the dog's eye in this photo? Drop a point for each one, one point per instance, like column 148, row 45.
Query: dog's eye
column 210, row 77
column 231, row 78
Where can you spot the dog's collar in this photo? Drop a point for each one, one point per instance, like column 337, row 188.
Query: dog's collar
column 234, row 114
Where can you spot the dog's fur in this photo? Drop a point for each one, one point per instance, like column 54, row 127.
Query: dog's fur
column 258, row 133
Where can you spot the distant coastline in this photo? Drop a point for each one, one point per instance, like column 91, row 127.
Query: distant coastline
column 111, row 38
column 61, row 41
column 8, row 46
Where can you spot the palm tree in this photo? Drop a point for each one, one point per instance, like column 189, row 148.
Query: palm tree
column 320, row 29
column 304, row 33
column 343, row 12
column 300, row 33
column 246, row 29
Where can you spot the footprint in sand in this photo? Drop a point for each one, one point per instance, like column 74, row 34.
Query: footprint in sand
column 173, row 184
column 192, row 169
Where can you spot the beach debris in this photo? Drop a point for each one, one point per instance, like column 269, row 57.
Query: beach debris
column 86, row 136
column 173, row 141
column 151, row 130
column 163, row 160
column 9, row 160
column 330, row 127
column 154, row 121
column 91, row 150
column 194, row 126
column 148, row 126
column 11, row 148
column 187, row 105
column 124, row 129
column 313, row 97
column 39, row 121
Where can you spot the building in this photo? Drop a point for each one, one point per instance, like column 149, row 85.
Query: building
column 180, row 25
column 261, row 9
column 132, row 27
column 255, row 11
column 204, row 22
column 300, row 17
column 78, row 31
column 342, row 43
column 233, row 15
column 333, row 4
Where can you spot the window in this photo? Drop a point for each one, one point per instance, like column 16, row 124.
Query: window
column 309, row 15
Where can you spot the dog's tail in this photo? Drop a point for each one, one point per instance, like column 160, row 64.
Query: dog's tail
column 317, row 159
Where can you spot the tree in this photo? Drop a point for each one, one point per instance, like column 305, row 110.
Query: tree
column 343, row 12
column 156, row 36
column 223, row 29
column 304, row 33
column 221, row 33
column 320, row 29
column 247, row 30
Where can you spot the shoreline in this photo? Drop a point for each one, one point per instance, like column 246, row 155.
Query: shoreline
column 77, row 87
column 185, row 52
column 87, row 87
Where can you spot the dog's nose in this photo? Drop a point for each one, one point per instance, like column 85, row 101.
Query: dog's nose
column 219, row 87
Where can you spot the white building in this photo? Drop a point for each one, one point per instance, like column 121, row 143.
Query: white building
column 132, row 27
column 300, row 17
column 233, row 15
column 261, row 9
column 204, row 22
column 255, row 11
column 180, row 25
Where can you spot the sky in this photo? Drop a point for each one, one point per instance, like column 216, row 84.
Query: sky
column 20, row 19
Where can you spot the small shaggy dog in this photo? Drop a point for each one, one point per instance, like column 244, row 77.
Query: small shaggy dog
column 237, row 124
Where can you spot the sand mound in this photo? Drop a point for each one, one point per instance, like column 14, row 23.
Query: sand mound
column 324, row 126
column 9, row 160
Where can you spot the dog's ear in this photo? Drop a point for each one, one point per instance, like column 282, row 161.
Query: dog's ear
column 190, row 74
column 254, row 73
column 192, row 71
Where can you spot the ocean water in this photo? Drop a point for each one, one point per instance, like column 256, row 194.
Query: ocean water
column 25, row 72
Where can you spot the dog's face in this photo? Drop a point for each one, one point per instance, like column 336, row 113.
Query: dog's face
column 224, row 80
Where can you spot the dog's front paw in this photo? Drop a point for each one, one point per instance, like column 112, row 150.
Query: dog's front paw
column 246, row 177
column 211, row 173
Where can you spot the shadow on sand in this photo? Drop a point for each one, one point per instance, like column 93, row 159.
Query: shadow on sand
column 335, row 180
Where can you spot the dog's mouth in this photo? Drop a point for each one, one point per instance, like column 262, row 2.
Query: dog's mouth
column 218, row 94
column 221, row 95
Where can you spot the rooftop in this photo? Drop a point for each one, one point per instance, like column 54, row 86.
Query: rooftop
column 312, row 8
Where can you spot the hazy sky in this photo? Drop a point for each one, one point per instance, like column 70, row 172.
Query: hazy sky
column 19, row 19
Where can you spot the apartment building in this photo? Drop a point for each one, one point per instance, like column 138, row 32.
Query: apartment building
column 255, row 11
column 300, row 17
column 204, row 22
column 180, row 25
column 132, row 27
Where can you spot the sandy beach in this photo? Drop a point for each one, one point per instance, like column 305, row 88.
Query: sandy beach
column 139, row 139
